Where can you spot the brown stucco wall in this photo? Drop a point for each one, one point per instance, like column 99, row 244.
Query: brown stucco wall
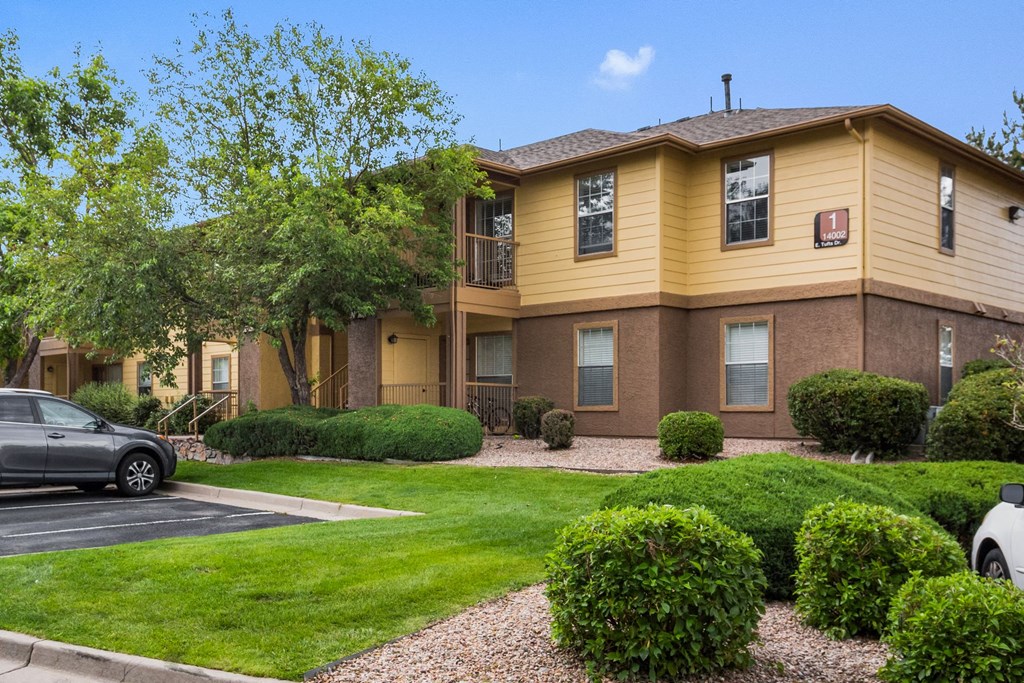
column 363, row 362
column 545, row 366
column 248, row 374
column 809, row 336
column 902, row 339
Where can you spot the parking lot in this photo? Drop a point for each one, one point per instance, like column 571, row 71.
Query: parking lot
column 41, row 521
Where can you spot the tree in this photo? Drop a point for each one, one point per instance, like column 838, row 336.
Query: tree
column 1006, row 147
column 83, row 199
column 328, row 172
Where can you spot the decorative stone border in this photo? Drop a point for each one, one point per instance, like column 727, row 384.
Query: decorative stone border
column 191, row 448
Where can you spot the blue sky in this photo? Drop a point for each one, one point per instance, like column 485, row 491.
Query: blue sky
column 525, row 71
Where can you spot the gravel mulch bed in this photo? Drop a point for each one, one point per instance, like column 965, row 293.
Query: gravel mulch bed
column 507, row 641
column 622, row 455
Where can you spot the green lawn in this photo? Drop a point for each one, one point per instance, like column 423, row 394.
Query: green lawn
column 279, row 602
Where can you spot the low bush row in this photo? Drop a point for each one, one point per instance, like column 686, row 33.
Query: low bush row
column 420, row 432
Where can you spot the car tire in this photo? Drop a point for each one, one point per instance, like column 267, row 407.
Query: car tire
column 138, row 474
column 91, row 486
column 994, row 565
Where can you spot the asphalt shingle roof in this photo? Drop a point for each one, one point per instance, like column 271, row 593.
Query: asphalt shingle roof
column 713, row 127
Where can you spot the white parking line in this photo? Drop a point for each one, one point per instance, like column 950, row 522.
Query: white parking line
column 123, row 526
column 91, row 502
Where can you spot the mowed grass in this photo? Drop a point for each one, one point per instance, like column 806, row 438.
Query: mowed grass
column 279, row 602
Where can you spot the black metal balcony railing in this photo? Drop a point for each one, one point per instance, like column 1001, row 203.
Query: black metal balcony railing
column 490, row 262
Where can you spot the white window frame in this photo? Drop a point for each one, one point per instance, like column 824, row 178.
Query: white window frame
column 213, row 373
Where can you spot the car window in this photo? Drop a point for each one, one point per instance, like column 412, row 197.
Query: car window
column 58, row 414
column 16, row 409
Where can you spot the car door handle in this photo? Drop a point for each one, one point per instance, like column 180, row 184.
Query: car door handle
column 55, row 435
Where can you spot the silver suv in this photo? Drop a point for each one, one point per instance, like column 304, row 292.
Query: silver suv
column 46, row 440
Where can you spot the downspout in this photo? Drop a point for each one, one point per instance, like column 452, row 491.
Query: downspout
column 862, row 267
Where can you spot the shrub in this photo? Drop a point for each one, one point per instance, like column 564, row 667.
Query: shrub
column 955, row 628
column 853, row 558
column 980, row 365
column 557, row 428
column 527, row 411
column 957, row 495
column 145, row 408
column 975, row 422
column 764, row 496
column 848, row 410
column 178, row 424
column 112, row 402
column 690, row 434
column 655, row 591
column 420, row 432
column 402, row 432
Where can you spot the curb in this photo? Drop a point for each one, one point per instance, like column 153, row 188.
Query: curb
column 33, row 660
column 274, row 502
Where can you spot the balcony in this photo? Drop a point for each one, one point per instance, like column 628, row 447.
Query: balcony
column 490, row 262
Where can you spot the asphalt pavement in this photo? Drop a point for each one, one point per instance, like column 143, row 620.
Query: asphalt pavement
column 41, row 521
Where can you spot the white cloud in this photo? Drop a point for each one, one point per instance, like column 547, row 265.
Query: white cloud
column 619, row 69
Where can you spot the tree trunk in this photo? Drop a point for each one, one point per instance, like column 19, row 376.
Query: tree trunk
column 14, row 380
column 294, row 364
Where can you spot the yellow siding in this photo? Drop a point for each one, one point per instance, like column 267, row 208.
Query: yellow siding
column 545, row 223
column 415, row 358
column 989, row 262
column 166, row 393
column 814, row 172
column 212, row 350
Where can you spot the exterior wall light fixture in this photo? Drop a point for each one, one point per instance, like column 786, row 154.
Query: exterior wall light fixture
column 393, row 338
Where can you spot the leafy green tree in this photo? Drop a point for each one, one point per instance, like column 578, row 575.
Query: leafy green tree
column 1006, row 146
column 328, row 171
column 83, row 200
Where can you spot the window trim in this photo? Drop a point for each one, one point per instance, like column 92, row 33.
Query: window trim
column 725, row 161
column 723, row 323
column 614, row 407
column 212, row 381
column 576, row 215
column 944, row 165
column 938, row 356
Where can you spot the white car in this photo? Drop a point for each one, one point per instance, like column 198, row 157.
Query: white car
column 998, row 549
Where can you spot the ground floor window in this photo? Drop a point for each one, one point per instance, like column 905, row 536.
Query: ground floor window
column 596, row 385
column 145, row 380
column 945, row 361
column 220, row 368
column 494, row 358
column 747, row 363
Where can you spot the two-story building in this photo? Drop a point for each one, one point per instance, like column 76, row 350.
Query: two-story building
column 707, row 264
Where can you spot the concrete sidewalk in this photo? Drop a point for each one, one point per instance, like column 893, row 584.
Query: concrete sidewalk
column 273, row 502
column 24, row 659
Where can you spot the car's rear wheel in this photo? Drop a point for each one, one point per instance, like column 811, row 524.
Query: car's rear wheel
column 994, row 565
column 138, row 474
column 91, row 486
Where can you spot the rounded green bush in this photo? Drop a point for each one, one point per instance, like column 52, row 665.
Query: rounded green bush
column 527, row 411
column 980, row 365
column 419, row 432
column 853, row 558
column 655, row 591
column 146, row 411
column 690, row 435
column 764, row 496
column 557, row 428
column 955, row 628
column 848, row 410
column 112, row 402
column 975, row 422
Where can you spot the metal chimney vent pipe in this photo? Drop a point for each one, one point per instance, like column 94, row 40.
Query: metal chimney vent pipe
column 728, row 97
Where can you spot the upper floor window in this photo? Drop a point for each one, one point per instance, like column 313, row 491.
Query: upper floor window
column 747, row 189
column 595, row 214
column 947, row 207
column 494, row 217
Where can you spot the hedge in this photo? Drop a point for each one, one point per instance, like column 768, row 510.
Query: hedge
column 420, row 432
column 975, row 422
column 112, row 402
column 764, row 496
column 847, row 410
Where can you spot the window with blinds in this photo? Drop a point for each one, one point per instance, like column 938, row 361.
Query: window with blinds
column 945, row 362
column 596, row 366
column 494, row 358
column 746, row 363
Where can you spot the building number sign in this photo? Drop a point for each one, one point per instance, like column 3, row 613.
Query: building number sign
column 831, row 228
